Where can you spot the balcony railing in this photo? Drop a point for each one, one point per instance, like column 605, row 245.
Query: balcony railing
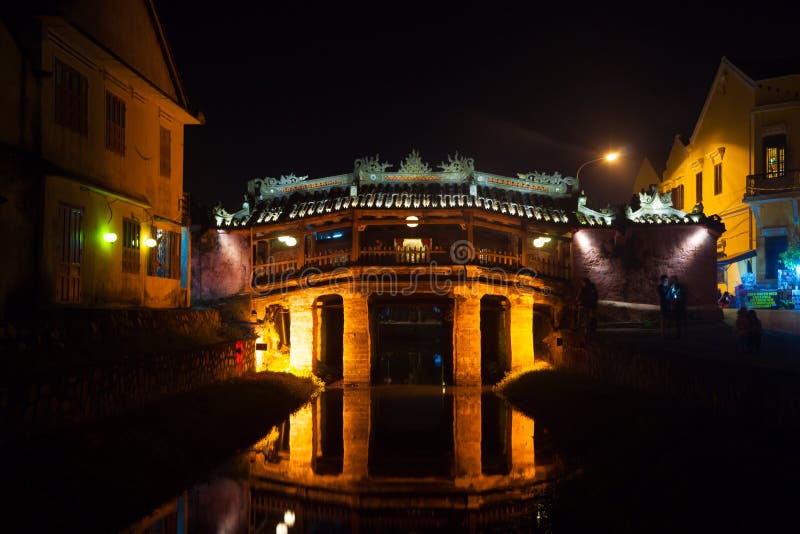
column 773, row 183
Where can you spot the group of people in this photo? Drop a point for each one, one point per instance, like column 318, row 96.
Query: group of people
column 672, row 300
column 748, row 330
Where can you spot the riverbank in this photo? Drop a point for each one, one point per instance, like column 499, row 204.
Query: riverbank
column 652, row 464
column 76, row 366
column 101, row 477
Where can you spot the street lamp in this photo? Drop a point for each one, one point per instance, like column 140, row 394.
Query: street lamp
column 610, row 157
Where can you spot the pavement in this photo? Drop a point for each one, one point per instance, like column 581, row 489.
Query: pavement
column 712, row 341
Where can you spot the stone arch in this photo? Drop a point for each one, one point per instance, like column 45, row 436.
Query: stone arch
column 328, row 362
column 411, row 339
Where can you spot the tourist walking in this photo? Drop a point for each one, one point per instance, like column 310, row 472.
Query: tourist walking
column 754, row 336
column 742, row 328
column 587, row 307
column 663, row 302
column 677, row 299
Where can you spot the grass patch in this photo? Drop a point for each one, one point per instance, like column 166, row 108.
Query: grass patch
column 102, row 477
column 651, row 465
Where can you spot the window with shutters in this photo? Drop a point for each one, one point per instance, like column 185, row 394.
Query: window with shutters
column 115, row 124
column 165, row 137
column 71, row 104
column 130, row 246
column 165, row 258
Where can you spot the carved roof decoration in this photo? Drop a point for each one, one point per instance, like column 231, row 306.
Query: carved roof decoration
column 534, row 196
column 369, row 165
column 458, row 164
column 655, row 207
column 286, row 179
column 413, row 164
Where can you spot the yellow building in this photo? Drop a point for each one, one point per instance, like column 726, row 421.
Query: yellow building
column 91, row 159
column 773, row 183
column 711, row 169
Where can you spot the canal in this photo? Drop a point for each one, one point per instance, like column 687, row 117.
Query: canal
column 569, row 455
column 387, row 459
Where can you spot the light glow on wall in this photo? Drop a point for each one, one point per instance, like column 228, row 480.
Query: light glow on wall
column 412, row 221
column 539, row 242
column 150, row 242
column 582, row 240
column 697, row 237
column 110, row 237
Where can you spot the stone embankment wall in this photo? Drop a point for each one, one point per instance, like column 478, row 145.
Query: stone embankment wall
column 45, row 394
column 721, row 387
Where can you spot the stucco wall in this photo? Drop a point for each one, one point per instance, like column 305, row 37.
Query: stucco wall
column 220, row 264
column 625, row 265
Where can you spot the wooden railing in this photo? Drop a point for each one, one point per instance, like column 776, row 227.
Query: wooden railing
column 402, row 256
column 772, row 183
column 267, row 272
column 496, row 258
column 549, row 267
column 329, row 259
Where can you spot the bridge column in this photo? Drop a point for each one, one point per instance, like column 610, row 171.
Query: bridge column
column 521, row 331
column 356, row 340
column 355, row 432
column 467, row 438
column 523, row 462
column 467, row 341
column 301, row 334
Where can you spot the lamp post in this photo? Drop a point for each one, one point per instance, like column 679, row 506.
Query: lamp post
column 610, row 157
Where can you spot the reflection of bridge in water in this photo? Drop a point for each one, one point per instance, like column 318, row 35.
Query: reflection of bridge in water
column 386, row 458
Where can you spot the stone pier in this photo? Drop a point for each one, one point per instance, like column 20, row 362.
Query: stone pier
column 521, row 331
column 467, row 341
column 301, row 334
column 356, row 340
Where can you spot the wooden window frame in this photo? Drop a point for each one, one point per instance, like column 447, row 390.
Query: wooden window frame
column 698, row 183
column 164, row 260
column 165, row 152
column 131, row 251
column 115, row 123
column 778, row 144
column 70, row 98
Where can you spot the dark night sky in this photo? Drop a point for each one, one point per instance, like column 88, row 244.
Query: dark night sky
column 296, row 87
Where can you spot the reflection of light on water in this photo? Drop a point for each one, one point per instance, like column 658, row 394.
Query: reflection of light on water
column 299, row 453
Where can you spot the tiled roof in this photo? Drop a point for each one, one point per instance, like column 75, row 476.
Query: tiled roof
column 416, row 197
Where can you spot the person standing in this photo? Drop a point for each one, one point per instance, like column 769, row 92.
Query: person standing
column 663, row 302
column 677, row 298
column 754, row 336
column 587, row 306
column 743, row 328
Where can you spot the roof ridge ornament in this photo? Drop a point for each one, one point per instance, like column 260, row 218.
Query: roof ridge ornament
column 370, row 165
column 458, row 164
column 549, row 179
column 413, row 164
column 655, row 204
column 285, row 179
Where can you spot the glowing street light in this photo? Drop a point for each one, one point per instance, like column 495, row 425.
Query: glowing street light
column 609, row 157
